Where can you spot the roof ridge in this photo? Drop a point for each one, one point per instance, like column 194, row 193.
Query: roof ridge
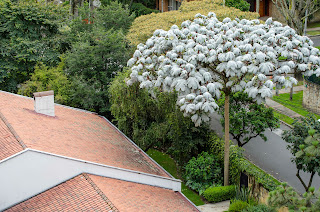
column 103, row 196
column 14, row 133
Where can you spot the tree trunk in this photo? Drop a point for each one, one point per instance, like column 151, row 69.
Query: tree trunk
column 226, row 140
column 291, row 93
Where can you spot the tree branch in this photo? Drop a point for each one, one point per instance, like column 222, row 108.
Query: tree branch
column 304, row 185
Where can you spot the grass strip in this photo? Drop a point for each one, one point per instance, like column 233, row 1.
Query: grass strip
column 295, row 104
column 283, row 117
column 170, row 166
column 316, row 32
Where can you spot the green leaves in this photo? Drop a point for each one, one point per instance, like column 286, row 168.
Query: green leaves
column 27, row 30
column 247, row 118
column 203, row 172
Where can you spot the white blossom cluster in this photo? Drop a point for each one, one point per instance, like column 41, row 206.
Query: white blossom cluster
column 207, row 56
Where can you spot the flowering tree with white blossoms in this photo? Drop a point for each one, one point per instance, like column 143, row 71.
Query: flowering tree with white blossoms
column 206, row 57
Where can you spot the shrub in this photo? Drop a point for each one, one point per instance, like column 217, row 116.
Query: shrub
column 238, row 206
column 144, row 26
column 259, row 208
column 203, row 171
column 218, row 194
column 139, row 9
column 239, row 4
column 217, row 148
column 244, row 194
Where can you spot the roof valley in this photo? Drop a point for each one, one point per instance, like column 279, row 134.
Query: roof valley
column 103, row 196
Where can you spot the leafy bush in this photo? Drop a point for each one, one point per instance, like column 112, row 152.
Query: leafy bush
column 217, row 148
column 244, row 194
column 139, row 9
column 45, row 78
column 314, row 79
column 239, row 4
column 259, row 208
column 144, row 26
column 203, row 171
column 218, row 194
column 238, row 206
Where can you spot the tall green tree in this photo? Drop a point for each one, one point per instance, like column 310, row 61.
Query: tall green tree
column 27, row 36
column 98, row 51
column 247, row 118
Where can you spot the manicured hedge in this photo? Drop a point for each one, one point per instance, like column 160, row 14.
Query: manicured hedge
column 218, row 194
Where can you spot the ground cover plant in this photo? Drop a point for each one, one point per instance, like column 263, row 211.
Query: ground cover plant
column 283, row 117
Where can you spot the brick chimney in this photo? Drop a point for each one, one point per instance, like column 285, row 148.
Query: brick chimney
column 44, row 102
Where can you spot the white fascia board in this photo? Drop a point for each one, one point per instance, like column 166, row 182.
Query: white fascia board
column 31, row 172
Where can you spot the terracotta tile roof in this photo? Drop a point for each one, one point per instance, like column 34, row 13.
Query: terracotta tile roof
column 8, row 143
column 74, row 133
column 76, row 194
column 128, row 196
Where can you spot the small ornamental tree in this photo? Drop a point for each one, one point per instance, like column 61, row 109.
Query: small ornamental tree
column 304, row 145
column 206, row 56
column 248, row 119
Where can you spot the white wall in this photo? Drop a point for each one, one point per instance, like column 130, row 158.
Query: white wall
column 31, row 172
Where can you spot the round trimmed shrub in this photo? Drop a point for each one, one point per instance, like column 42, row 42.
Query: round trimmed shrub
column 218, row 194
column 238, row 206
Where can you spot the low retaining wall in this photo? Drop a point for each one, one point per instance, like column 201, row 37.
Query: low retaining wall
column 311, row 96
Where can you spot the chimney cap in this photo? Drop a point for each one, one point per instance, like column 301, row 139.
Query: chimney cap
column 44, row 93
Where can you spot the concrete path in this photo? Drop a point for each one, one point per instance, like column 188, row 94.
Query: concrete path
column 313, row 29
column 217, row 207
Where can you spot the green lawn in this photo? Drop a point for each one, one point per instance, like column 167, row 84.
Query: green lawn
column 168, row 164
column 295, row 104
column 316, row 32
column 283, row 117
column 313, row 25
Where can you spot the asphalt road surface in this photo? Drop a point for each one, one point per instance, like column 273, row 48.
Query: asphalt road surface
column 271, row 156
column 316, row 40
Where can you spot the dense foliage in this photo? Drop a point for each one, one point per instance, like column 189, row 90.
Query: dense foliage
column 94, row 48
column 313, row 79
column 203, row 172
column 305, row 149
column 45, row 78
column 239, row 4
column 238, row 206
column 247, row 118
column 285, row 195
column 216, row 146
column 153, row 120
column 139, row 9
column 143, row 27
column 218, row 194
column 28, row 35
